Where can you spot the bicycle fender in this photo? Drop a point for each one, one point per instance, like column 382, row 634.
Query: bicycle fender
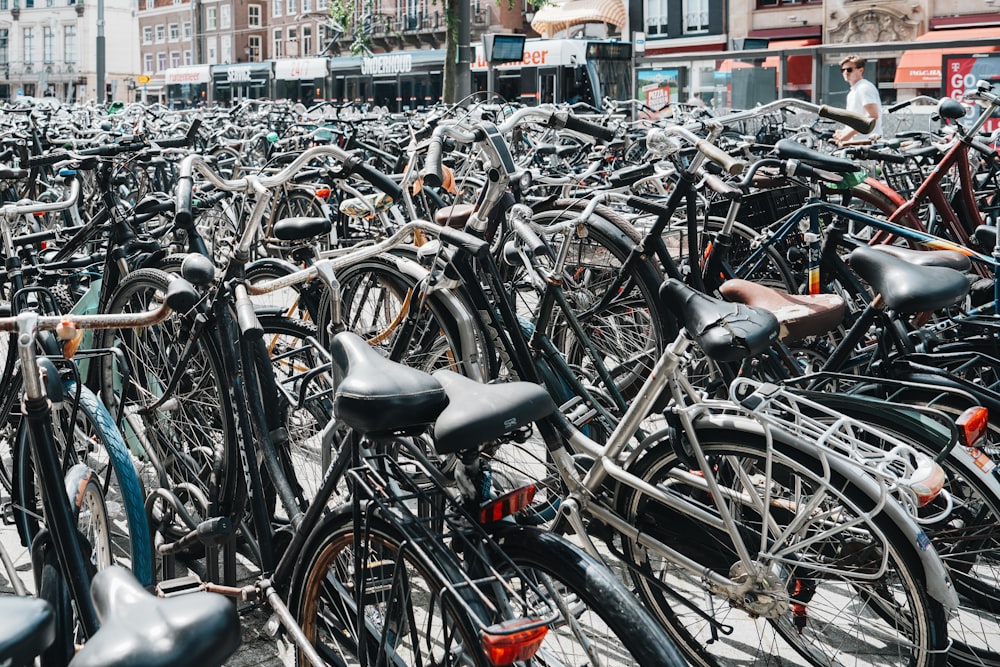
column 937, row 579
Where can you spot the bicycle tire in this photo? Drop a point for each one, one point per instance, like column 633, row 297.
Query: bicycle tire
column 189, row 444
column 52, row 587
column 618, row 630
column 323, row 605
column 812, row 628
column 98, row 443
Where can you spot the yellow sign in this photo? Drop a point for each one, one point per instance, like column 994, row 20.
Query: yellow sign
column 143, row 79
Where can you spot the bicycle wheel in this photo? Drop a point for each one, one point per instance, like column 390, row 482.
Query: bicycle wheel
column 378, row 304
column 601, row 622
column 184, row 434
column 408, row 616
column 818, row 594
column 96, row 442
column 616, row 304
column 301, row 371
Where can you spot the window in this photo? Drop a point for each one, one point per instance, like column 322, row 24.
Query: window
column 253, row 19
column 322, row 4
column 277, row 7
column 278, row 52
column 695, row 16
column 307, row 40
column 306, row 6
column 28, row 46
column 188, row 60
column 69, row 44
column 161, row 34
column 48, row 45
column 186, row 28
column 293, row 7
column 767, row 4
column 225, row 16
column 253, row 41
column 175, row 58
column 4, row 46
column 50, row 3
column 174, row 32
column 211, row 20
column 150, row 4
column 147, row 34
column 147, row 63
column 656, row 17
column 161, row 61
column 4, row 4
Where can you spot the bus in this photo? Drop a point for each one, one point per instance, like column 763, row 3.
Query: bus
column 561, row 70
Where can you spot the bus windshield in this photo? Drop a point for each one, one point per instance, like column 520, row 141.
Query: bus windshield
column 613, row 80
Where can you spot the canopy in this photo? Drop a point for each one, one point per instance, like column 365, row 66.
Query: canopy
column 562, row 14
column 921, row 68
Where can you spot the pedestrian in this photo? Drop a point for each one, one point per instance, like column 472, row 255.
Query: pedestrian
column 862, row 99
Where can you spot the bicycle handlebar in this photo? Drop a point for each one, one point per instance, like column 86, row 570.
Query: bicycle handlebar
column 180, row 296
column 9, row 211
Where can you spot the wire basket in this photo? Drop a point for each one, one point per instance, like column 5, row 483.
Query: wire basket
column 765, row 207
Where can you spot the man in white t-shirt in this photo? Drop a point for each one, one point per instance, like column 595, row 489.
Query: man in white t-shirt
column 862, row 99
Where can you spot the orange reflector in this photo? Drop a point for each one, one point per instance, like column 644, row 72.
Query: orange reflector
column 323, row 193
column 972, row 425
column 509, row 503
column 504, row 645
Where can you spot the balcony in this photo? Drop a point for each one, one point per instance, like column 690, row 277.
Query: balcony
column 423, row 29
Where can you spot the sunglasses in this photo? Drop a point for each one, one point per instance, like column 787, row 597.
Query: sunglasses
column 847, row 69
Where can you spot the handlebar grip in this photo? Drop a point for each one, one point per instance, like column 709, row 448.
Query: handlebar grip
column 378, row 179
column 884, row 156
column 863, row 124
column 595, row 130
column 46, row 160
column 733, row 166
column 431, row 173
column 985, row 149
column 722, row 188
column 534, row 244
column 185, row 185
column 899, row 105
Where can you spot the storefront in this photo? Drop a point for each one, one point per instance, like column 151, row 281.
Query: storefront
column 243, row 81
column 187, row 86
column 305, row 80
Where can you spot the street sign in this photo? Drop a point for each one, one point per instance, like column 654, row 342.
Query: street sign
column 143, row 79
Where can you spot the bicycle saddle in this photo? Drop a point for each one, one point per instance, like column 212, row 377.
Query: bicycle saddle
column 950, row 258
column 788, row 149
column 138, row 628
column 479, row 413
column 906, row 287
column 800, row 316
column 376, row 396
column 986, row 237
column 28, row 629
column 725, row 331
column 300, row 228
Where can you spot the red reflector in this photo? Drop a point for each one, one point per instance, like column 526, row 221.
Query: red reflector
column 504, row 645
column 509, row 503
column 972, row 425
column 323, row 193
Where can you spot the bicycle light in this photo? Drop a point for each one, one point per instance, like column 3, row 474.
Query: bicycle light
column 509, row 503
column 927, row 481
column 972, row 425
column 505, row 644
column 660, row 143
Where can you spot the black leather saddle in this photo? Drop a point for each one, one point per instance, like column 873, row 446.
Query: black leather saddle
column 300, row 228
column 906, row 287
column 788, row 149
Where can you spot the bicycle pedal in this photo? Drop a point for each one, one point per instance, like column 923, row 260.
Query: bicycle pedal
column 179, row 586
column 7, row 514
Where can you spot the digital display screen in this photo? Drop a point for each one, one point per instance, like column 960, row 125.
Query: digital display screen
column 507, row 48
column 609, row 50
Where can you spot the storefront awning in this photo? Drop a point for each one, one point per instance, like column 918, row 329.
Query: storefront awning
column 562, row 14
column 190, row 74
column 921, row 68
